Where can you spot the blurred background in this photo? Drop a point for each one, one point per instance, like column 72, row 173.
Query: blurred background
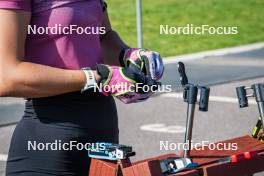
column 248, row 16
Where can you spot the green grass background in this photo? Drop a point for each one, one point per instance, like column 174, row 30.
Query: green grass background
column 247, row 15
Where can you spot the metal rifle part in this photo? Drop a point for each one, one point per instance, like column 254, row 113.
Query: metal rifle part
column 191, row 100
column 174, row 165
column 258, row 93
column 110, row 151
column 190, row 93
column 204, row 98
column 183, row 76
column 242, row 96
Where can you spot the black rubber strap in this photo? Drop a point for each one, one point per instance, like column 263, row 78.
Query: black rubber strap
column 121, row 57
column 103, row 71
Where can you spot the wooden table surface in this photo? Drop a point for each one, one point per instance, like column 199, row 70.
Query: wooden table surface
column 210, row 165
column 207, row 159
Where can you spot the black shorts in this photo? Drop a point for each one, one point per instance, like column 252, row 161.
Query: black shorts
column 70, row 118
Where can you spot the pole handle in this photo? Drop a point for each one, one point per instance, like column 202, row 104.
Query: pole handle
column 183, row 77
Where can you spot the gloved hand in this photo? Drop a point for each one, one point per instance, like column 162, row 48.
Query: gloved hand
column 121, row 83
column 150, row 62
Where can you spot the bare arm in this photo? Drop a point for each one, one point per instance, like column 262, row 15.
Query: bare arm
column 24, row 79
column 111, row 43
